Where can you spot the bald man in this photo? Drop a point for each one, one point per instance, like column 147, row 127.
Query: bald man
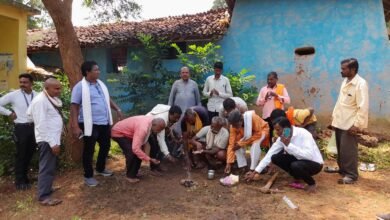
column 184, row 93
column 131, row 134
column 45, row 111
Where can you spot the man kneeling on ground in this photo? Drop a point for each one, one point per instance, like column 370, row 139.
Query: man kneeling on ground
column 131, row 134
column 245, row 130
column 213, row 148
column 296, row 152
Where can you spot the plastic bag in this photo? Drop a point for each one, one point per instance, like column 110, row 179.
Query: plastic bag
column 331, row 148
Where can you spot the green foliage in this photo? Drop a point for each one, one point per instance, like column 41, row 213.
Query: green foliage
column 112, row 10
column 379, row 155
column 241, row 87
column 219, row 4
column 200, row 59
column 7, row 149
column 42, row 20
column 149, row 86
column 103, row 11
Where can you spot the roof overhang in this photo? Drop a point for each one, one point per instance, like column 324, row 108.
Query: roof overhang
column 30, row 10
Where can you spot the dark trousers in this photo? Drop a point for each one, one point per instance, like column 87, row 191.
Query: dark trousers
column 25, row 147
column 299, row 169
column 102, row 135
column 271, row 129
column 155, row 151
column 133, row 163
column 347, row 153
column 47, row 168
column 212, row 114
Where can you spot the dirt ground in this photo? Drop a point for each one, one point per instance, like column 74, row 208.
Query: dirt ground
column 164, row 198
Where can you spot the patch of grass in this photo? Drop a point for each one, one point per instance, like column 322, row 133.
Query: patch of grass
column 76, row 218
column 379, row 155
column 25, row 205
column 114, row 150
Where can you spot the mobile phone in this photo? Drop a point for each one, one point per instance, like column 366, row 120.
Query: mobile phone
column 286, row 132
column 81, row 135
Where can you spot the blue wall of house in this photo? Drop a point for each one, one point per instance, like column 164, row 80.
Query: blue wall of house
column 264, row 34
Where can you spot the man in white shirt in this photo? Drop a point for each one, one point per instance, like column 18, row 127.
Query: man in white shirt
column 24, row 128
column 158, row 145
column 296, row 152
column 350, row 115
column 46, row 113
column 211, row 142
column 216, row 88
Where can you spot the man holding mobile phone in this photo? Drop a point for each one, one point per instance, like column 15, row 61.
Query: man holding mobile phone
column 296, row 152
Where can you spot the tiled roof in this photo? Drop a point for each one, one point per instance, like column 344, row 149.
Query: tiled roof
column 209, row 25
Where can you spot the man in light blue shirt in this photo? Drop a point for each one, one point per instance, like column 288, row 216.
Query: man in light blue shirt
column 91, row 119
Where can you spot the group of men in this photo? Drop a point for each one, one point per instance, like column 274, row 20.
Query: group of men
column 216, row 136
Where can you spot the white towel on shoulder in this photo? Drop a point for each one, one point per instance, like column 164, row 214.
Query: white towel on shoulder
column 86, row 103
column 247, row 125
column 159, row 109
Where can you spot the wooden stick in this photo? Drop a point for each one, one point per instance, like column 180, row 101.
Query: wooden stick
column 270, row 182
column 267, row 187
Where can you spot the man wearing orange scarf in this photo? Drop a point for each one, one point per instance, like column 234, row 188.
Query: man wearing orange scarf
column 272, row 96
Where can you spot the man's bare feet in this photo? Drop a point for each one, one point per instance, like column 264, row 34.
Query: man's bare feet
column 311, row 188
column 132, row 180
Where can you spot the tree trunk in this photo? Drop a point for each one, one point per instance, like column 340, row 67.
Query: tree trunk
column 61, row 13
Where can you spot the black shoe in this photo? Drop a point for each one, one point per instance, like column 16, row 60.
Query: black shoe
column 23, row 186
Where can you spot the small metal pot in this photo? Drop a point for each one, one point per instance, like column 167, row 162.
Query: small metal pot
column 210, row 174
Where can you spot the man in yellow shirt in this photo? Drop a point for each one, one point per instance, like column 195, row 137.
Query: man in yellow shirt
column 350, row 115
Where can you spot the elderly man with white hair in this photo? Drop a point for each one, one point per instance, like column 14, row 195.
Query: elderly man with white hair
column 211, row 141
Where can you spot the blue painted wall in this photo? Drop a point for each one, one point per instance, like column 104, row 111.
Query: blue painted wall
column 264, row 34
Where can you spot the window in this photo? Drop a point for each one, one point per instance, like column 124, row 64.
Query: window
column 171, row 52
column 118, row 59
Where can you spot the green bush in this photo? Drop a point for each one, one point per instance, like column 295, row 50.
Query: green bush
column 149, row 87
column 241, row 85
column 7, row 146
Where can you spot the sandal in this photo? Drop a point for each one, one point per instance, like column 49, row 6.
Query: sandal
column 50, row 202
column 331, row 169
column 346, row 180
column 363, row 167
column 297, row 185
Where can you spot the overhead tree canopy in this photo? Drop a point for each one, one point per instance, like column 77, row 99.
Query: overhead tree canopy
column 219, row 4
column 102, row 11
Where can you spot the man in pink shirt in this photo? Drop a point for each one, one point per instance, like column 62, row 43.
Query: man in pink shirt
column 131, row 134
column 272, row 96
